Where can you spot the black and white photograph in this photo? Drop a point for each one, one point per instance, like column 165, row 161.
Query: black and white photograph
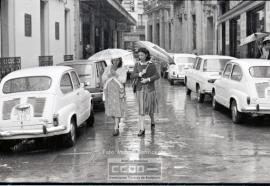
column 134, row 92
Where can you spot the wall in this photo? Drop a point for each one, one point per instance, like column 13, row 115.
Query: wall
column 28, row 48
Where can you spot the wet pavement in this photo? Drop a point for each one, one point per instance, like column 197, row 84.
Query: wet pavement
column 192, row 142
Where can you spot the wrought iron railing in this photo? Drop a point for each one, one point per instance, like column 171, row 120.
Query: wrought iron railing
column 45, row 60
column 68, row 57
column 9, row 64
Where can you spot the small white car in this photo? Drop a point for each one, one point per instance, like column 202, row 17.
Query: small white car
column 182, row 62
column 206, row 67
column 244, row 87
column 42, row 102
column 90, row 73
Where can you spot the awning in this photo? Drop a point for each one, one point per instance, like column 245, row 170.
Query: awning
column 113, row 9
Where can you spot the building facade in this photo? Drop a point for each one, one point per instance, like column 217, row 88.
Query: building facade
column 237, row 20
column 47, row 32
column 159, row 27
column 136, row 10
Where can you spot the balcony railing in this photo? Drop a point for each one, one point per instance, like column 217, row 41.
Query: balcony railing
column 68, row 57
column 45, row 60
column 9, row 64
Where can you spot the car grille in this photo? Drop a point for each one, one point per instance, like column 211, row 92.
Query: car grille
column 38, row 105
column 7, row 108
column 260, row 87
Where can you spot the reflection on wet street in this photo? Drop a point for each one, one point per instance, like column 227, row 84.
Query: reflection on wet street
column 193, row 142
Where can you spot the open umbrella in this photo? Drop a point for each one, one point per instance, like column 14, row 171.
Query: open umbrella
column 110, row 53
column 254, row 37
column 155, row 51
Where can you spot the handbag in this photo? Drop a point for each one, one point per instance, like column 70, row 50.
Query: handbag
column 135, row 82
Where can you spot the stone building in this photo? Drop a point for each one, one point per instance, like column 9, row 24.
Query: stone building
column 237, row 20
column 182, row 25
column 135, row 8
column 46, row 32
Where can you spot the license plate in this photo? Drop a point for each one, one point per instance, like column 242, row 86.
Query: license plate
column 22, row 115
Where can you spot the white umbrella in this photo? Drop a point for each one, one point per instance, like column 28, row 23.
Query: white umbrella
column 155, row 51
column 254, row 37
column 110, row 53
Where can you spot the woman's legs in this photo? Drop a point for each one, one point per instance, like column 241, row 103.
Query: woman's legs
column 141, row 125
column 152, row 117
column 116, row 126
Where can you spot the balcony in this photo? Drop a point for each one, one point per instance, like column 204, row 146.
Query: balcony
column 45, row 60
column 9, row 64
column 68, row 57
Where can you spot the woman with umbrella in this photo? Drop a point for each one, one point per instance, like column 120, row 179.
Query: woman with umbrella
column 145, row 73
column 113, row 79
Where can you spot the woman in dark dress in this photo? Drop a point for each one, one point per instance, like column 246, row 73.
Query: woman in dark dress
column 146, row 95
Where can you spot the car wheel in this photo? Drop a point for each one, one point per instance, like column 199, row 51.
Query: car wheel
column 200, row 96
column 91, row 119
column 236, row 116
column 71, row 137
column 171, row 82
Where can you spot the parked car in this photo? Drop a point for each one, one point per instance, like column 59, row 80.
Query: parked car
column 42, row 102
column 90, row 73
column 182, row 62
column 244, row 88
column 205, row 68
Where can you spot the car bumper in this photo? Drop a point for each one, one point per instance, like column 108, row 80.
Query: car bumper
column 258, row 109
column 180, row 78
column 34, row 133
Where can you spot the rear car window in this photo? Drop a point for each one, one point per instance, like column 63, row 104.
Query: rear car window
column 260, row 71
column 27, row 84
column 214, row 65
column 82, row 70
column 178, row 60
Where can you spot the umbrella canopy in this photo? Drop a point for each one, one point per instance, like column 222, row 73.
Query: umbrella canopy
column 110, row 53
column 155, row 51
column 254, row 37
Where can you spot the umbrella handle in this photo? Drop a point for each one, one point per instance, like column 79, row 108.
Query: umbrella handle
column 259, row 47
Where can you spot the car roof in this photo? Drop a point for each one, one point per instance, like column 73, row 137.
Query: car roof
column 252, row 62
column 79, row 62
column 183, row 55
column 216, row 57
column 51, row 71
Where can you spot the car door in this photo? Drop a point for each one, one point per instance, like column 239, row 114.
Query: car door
column 189, row 74
column 196, row 74
column 236, row 86
column 83, row 105
column 222, row 85
column 69, row 95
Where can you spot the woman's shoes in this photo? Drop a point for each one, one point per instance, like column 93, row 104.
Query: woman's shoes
column 141, row 133
column 116, row 132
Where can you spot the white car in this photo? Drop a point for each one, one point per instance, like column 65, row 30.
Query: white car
column 244, row 87
column 206, row 67
column 182, row 62
column 42, row 102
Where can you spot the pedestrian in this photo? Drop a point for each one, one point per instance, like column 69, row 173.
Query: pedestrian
column 87, row 51
column 144, row 75
column 264, row 51
column 113, row 79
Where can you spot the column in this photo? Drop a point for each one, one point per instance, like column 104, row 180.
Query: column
column 227, row 38
column 267, row 16
column 162, row 29
column 243, row 34
column 154, row 28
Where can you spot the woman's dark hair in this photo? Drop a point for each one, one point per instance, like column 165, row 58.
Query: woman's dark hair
column 146, row 52
column 120, row 63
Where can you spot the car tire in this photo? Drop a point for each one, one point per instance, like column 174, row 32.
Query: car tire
column 199, row 95
column 215, row 104
column 91, row 119
column 188, row 91
column 71, row 137
column 236, row 115
column 171, row 81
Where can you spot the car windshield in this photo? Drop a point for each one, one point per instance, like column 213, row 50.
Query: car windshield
column 83, row 70
column 178, row 60
column 215, row 65
column 260, row 71
column 27, row 84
